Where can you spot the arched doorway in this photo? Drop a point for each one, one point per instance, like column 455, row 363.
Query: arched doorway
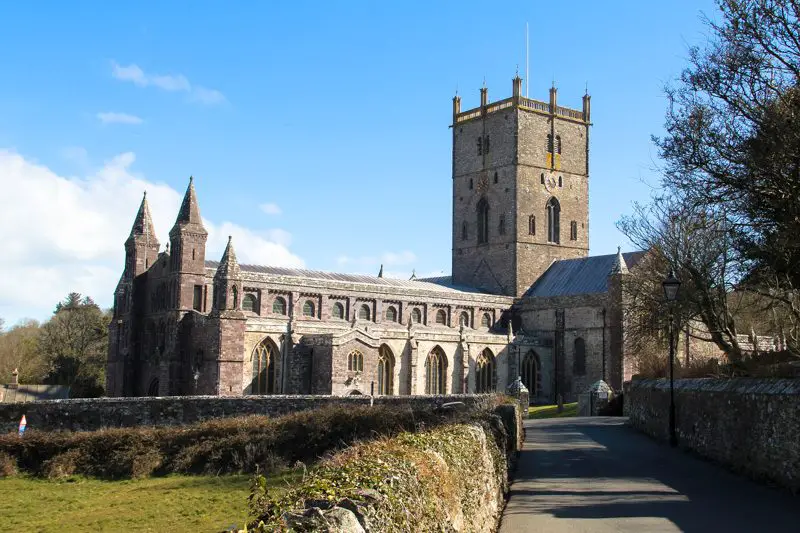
column 152, row 390
column 485, row 372
column 385, row 370
column 435, row 372
column 264, row 356
column 531, row 373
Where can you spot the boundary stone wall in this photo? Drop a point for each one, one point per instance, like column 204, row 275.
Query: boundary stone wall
column 98, row 413
column 749, row 425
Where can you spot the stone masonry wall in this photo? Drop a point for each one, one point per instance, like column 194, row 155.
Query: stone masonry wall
column 750, row 425
column 92, row 414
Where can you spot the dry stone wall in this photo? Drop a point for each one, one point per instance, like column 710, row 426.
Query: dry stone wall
column 92, row 414
column 750, row 425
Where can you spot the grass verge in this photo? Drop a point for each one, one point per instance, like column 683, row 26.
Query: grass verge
column 174, row 503
column 551, row 411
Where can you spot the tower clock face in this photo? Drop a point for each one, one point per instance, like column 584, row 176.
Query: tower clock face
column 550, row 183
column 483, row 184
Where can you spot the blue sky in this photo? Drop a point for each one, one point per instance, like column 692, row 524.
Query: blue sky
column 317, row 132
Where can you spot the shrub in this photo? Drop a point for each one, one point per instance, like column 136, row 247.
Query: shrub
column 8, row 465
column 230, row 445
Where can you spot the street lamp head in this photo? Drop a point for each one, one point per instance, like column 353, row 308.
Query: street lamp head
column 671, row 286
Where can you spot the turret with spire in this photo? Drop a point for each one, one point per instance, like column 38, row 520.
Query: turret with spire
column 141, row 247
column 228, row 281
column 188, row 253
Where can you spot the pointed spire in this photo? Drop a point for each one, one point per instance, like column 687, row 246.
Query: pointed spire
column 190, row 211
column 380, row 272
column 619, row 267
column 413, row 274
column 143, row 224
column 228, row 265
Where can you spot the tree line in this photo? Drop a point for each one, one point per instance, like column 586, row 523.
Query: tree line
column 68, row 349
column 726, row 219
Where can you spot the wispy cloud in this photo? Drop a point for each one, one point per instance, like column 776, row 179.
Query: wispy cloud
column 271, row 209
column 118, row 118
column 405, row 257
column 167, row 82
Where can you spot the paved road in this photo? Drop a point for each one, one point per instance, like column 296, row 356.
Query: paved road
column 596, row 474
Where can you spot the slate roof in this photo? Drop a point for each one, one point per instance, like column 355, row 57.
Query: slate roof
column 31, row 393
column 585, row 275
column 440, row 283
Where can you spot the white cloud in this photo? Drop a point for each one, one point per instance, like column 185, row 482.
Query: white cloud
column 76, row 154
column 271, row 209
column 167, row 82
column 118, row 118
column 66, row 234
column 405, row 257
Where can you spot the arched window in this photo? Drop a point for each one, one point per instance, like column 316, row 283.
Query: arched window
column 470, row 184
column 558, row 144
column 152, row 390
column 542, row 178
column 531, row 375
column 235, row 292
column 532, row 225
column 485, row 378
column 441, row 317
column 308, row 308
column 264, row 355
column 435, row 369
column 549, row 145
column 486, row 320
column 579, row 358
column 464, row 231
column 250, row 303
column 391, row 313
column 416, row 316
column 464, row 319
column 385, row 370
column 279, row 306
column 573, row 231
column 355, row 361
column 364, row 312
column 495, row 174
column 338, row 311
column 483, row 221
column 501, row 226
column 553, row 220
column 560, row 181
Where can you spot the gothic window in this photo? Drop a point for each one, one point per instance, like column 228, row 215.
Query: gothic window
column 250, row 303
column 355, row 361
column 553, row 216
column 279, row 306
column 573, row 231
column 416, row 316
column 464, row 319
column 495, row 177
column 480, row 146
column 501, row 226
column 532, row 225
column 531, row 375
column 308, row 308
column 485, row 372
column 558, row 144
column 483, row 221
column 579, row 358
column 235, row 292
column 338, row 311
column 486, row 320
column 464, row 231
column 441, row 317
column 391, row 314
column 385, row 370
column 363, row 312
column 264, row 355
column 435, row 367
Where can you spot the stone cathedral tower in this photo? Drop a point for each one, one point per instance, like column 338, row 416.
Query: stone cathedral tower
column 520, row 189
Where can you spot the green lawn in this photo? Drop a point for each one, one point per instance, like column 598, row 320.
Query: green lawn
column 551, row 411
column 174, row 503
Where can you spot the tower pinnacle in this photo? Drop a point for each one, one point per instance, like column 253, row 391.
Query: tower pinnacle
column 143, row 224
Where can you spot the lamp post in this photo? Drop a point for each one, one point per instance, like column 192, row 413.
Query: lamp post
column 671, row 286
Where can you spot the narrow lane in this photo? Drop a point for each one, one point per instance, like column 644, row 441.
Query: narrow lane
column 598, row 475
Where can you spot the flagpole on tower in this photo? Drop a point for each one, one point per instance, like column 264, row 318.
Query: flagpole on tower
column 527, row 74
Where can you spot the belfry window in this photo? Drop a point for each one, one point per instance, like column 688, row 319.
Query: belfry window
column 279, row 306
column 532, row 225
column 441, row 317
column 483, row 221
column 308, row 308
column 501, row 226
column 573, row 231
column 364, row 312
column 338, row 311
column 553, row 220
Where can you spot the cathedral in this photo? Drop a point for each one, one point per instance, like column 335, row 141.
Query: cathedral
column 524, row 298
